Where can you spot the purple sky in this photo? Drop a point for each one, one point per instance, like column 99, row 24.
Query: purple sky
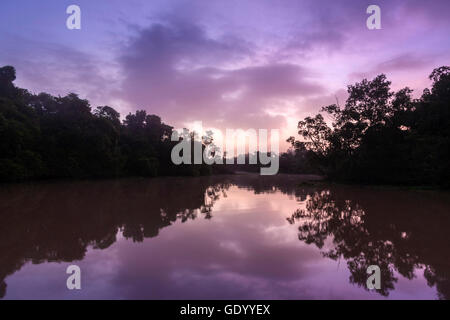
column 229, row 63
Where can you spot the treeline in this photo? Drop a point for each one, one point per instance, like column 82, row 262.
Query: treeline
column 380, row 136
column 42, row 136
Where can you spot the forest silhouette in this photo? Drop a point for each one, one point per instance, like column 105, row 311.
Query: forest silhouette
column 378, row 136
column 381, row 136
column 42, row 136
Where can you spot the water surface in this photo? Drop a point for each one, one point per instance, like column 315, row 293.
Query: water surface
column 227, row 237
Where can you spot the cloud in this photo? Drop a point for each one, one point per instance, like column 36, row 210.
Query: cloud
column 58, row 69
column 179, row 71
column 405, row 62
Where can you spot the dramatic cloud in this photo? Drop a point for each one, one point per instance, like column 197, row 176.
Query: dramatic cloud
column 177, row 71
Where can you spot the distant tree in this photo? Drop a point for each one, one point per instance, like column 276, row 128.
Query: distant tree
column 317, row 133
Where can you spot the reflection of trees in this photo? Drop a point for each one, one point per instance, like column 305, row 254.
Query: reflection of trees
column 398, row 231
column 287, row 184
column 59, row 222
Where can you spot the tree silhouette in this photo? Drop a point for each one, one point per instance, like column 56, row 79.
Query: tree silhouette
column 381, row 136
column 42, row 136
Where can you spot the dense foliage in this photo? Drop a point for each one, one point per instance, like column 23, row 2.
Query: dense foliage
column 42, row 136
column 381, row 136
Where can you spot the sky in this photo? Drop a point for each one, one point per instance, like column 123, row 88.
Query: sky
column 261, row 64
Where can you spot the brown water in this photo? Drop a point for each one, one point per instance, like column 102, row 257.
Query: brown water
column 229, row 237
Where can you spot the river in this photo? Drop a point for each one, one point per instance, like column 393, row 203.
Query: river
column 223, row 237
